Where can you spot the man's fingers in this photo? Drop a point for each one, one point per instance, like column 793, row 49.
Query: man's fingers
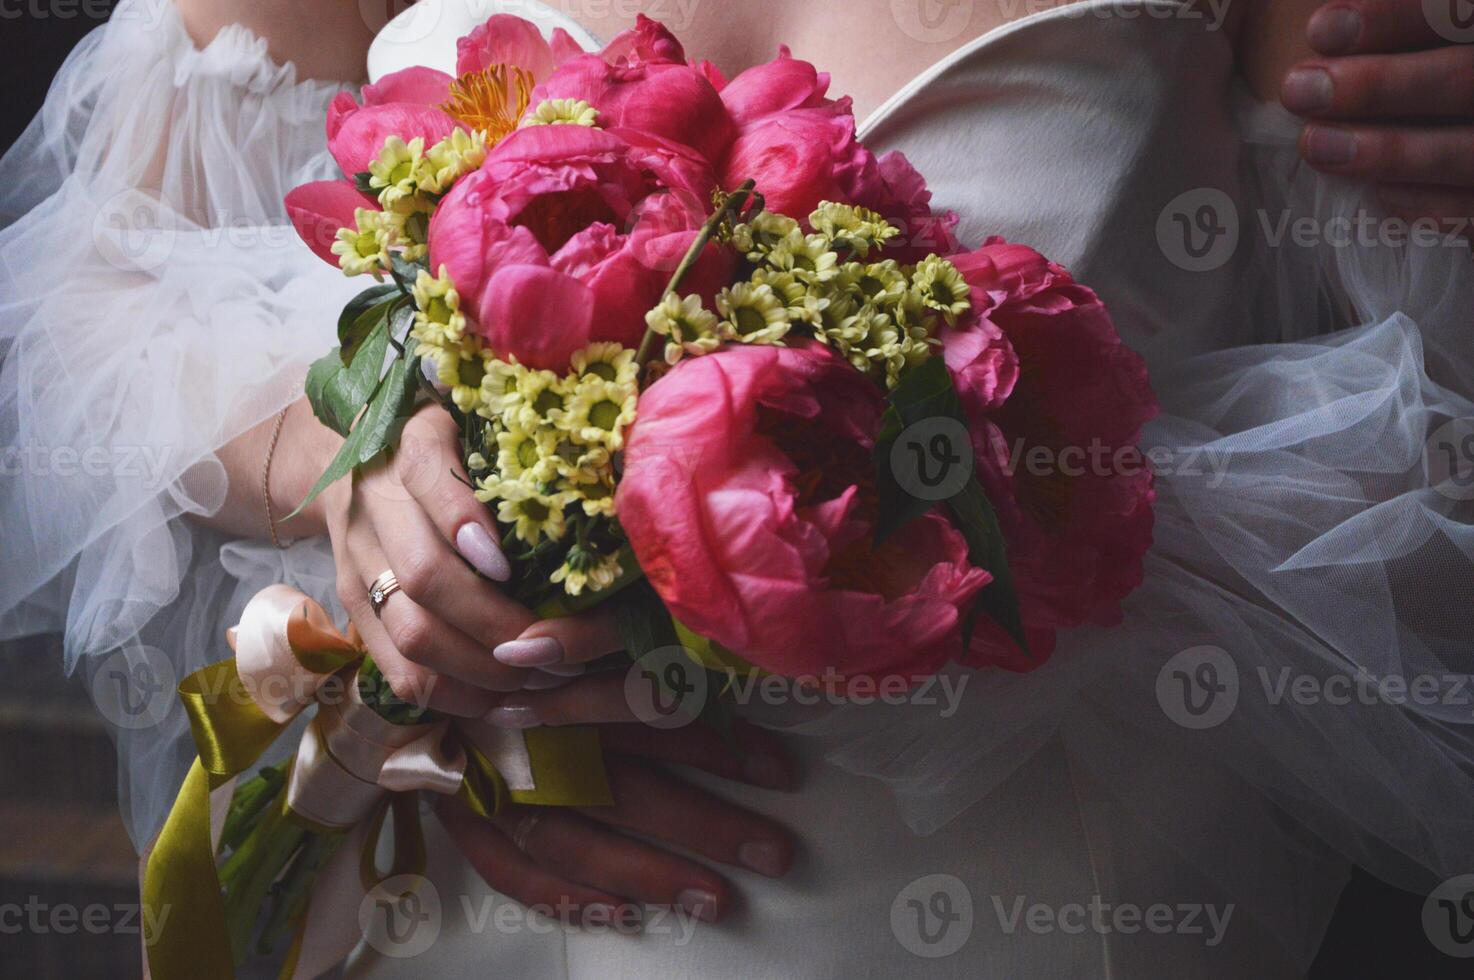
column 1436, row 84
column 1372, row 27
column 563, row 642
column 1393, row 154
column 511, row 872
column 658, row 806
column 577, row 849
column 747, row 754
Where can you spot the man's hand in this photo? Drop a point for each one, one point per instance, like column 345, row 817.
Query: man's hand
column 1391, row 100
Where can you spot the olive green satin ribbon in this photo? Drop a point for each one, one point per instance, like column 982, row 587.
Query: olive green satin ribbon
column 231, row 732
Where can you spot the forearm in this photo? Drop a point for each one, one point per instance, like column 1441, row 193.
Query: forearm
column 303, row 449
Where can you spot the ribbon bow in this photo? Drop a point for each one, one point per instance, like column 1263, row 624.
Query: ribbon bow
column 350, row 766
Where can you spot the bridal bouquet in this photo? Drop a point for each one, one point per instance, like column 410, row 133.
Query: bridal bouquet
column 715, row 362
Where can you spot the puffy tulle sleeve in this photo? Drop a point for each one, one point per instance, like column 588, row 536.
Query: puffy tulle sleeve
column 154, row 304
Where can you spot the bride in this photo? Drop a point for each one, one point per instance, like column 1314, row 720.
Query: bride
column 1181, row 795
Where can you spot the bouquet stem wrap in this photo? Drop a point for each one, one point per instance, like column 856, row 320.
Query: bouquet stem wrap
column 351, row 767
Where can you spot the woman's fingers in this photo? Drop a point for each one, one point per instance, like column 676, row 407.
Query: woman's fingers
column 558, row 643
column 580, row 850
column 658, row 806
column 1436, row 84
column 427, row 464
column 1372, row 26
column 1441, row 157
column 745, row 754
column 596, row 700
column 512, row 872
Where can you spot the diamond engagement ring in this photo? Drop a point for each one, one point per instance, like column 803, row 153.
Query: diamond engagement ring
column 382, row 588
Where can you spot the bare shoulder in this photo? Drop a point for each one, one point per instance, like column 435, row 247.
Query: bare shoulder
column 325, row 39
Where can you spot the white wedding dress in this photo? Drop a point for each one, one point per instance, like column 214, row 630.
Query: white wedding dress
column 1100, row 817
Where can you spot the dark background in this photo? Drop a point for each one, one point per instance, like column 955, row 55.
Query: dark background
column 60, row 837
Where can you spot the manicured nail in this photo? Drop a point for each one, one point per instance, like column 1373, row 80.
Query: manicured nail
column 564, row 670
column 538, row 652
column 518, row 716
column 767, row 772
column 1334, row 30
column 698, row 904
column 478, row 547
column 1308, row 90
column 764, row 858
column 1329, row 146
column 542, row 681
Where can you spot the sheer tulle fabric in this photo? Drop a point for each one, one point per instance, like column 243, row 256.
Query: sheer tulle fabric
column 1299, row 532
column 154, row 304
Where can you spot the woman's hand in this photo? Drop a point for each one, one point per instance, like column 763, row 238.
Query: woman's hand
column 414, row 514
column 580, row 867
column 1392, row 101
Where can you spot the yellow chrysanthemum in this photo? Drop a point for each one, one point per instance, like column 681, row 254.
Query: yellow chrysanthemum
column 527, row 454
column 764, row 233
column 597, row 496
column 852, row 228
column 808, row 257
column 599, row 411
column 462, row 368
column 881, row 284
column 543, row 398
column 400, row 170
column 587, row 570
column 690, row 327
column 607, row 360
column 941, row 288
column 533, row 514
column 752, row 315
column 580, row 464
column 364, row 249
column 561, row 112
column 501, row 389
column 452, row 158
column 438, row 316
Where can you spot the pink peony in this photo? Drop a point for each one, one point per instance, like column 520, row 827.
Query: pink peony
column 1056, row 403
column 641, row 81
column 567, row 234
column 749, row 498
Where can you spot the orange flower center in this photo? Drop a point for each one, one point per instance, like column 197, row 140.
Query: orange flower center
column 491, row 100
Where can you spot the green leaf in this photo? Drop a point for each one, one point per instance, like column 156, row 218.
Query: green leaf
column 361, row 315
column 378, row 428
column 407, row 273
column 926, row 393
column 339, row 391
column 643, row 621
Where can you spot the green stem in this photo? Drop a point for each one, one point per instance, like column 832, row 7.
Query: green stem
column 732, row 204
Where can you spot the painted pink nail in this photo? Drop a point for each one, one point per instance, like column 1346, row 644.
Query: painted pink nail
column 477, row 546
column 517, row 716
column 538, row 652
column 541, row 681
